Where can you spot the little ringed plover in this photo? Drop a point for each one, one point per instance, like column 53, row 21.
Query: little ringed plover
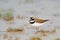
column 36, row 21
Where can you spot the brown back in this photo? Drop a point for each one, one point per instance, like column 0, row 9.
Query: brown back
column 39, row 20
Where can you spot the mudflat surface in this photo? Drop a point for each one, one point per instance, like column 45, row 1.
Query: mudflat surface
column 17, row 27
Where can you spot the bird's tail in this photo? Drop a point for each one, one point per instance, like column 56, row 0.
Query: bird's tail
column 46, row 20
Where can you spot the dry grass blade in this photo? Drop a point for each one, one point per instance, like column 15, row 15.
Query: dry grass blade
column 57, row 38
column 20, row 17
column 9, row 18
column 15, row 30
column 5, row 36
column 35, row 38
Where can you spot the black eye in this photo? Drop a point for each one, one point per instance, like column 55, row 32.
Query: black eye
column 31, row 18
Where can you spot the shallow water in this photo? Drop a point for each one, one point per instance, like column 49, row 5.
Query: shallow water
column 45, row 9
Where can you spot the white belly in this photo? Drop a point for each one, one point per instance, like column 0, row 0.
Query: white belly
column 37, row 24
column 46, row 28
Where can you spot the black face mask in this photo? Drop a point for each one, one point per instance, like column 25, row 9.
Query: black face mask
column 31, row 19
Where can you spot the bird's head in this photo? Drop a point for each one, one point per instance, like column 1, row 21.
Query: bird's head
column 31, row 20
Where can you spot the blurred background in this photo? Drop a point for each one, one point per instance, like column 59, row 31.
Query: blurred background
column 45, row 9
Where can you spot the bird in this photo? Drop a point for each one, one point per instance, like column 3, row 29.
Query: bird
column 36, row 22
